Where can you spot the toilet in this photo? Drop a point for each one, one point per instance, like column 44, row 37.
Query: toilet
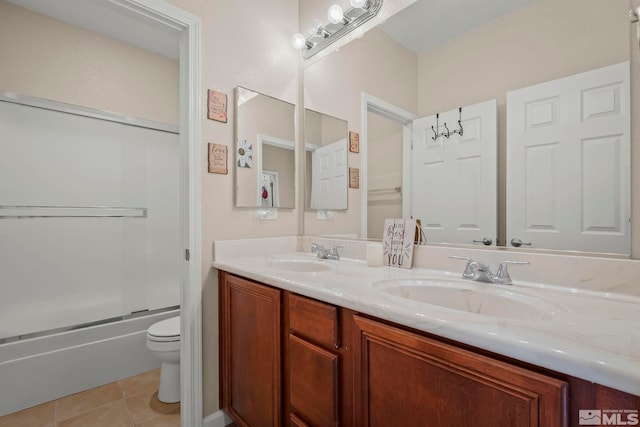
column 163, row 339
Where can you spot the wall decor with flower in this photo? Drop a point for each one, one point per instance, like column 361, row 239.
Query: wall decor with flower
column 244, row 154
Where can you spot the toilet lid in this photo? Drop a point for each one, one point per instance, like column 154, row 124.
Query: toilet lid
column 165, row 328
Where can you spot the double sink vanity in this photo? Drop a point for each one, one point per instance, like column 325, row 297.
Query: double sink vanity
column 309, row 341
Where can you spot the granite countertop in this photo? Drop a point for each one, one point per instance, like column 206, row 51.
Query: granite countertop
column 583, row 333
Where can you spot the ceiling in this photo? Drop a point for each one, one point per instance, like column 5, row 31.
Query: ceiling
column 106, row 17
column 420, row 27
column 427, row 24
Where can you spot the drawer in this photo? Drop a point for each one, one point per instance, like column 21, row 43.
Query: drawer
column 314, row 320
column 313, row 383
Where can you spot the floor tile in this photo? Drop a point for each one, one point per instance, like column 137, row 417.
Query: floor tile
column 78, row 403
column 141, row 383
column 145, row 406
column 113, row 414
column 162, row 421
column 38, row 416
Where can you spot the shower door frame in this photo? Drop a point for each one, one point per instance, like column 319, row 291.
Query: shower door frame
column 190, row 197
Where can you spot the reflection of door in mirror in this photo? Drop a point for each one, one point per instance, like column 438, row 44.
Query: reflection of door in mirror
column 329, row 177
column 384, row 172
column 277, row 168
column 454, row 176
column 533, row 41
column 269, row 190
column 568, row 171
column 326, row 180
column 266, row 127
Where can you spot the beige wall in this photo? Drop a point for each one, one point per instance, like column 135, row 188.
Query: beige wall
column 333, row 86
column 545, row 40
column 46, row 58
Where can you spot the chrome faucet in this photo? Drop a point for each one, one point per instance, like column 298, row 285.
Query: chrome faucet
column 477, row 271
column 324, row 253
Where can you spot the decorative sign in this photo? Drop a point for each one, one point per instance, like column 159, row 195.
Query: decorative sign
column 354, row 142
column 397, row 242
column 217, row 106
column 218, row 158
column 354, row 178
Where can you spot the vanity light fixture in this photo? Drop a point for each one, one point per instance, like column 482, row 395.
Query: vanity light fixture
column 335, row 14
column 340, row 23
column 298, row 41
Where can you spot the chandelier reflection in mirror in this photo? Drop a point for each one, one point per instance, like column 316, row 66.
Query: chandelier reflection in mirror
column 340, row 24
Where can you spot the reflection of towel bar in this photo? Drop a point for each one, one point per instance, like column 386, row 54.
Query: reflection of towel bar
column 386, row 190
column 71, row 212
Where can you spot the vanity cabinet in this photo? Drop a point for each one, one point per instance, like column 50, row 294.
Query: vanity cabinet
column 315, row 360
column 407, row 379
column 290, row 360
column 250, row 352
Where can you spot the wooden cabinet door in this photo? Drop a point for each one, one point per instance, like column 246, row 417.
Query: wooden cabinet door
column 250, row 355
column 405, row 379
column 313, row 383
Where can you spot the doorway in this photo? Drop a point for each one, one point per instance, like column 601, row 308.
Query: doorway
column 385, row 146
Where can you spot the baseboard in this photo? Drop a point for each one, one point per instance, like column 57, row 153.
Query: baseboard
column 217, row 419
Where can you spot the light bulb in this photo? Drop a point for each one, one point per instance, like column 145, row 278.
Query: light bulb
column 314, row 27
column 298, row 41
column 335, row 14
column 358, row 3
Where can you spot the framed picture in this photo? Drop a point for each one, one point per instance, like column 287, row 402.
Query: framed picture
column 354, row 178
column 217, row 106
column 354, row 142
column 218, row 158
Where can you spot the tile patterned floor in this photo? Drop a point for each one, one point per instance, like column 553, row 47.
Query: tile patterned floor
column 132, row 402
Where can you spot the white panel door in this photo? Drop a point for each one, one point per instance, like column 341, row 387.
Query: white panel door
column 568, row 162
column 454, row 179
column 329, row 176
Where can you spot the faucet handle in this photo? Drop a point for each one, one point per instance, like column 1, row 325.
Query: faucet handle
column 502, row 275
column 335, row 252
column 315, row 247
column 471, row 269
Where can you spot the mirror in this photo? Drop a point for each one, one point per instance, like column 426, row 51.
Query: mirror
column 325, row 142
column 265, row 151
column 501, row 47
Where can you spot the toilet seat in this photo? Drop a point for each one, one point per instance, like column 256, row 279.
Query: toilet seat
column 167, row 330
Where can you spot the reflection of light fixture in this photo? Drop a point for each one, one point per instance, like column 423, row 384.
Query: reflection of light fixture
column 340, row 23
column 335, row 14
column 298, row 41
column 315, row 26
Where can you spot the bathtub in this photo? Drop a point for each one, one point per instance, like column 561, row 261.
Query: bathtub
column 44, row 368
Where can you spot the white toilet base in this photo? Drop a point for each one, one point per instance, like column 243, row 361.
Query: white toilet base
column 169, row 391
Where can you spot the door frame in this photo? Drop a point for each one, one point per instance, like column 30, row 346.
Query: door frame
column 189, row 27
column 383, row 108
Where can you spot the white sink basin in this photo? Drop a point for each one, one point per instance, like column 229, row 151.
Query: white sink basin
column 485, row 299
column 299, row 265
